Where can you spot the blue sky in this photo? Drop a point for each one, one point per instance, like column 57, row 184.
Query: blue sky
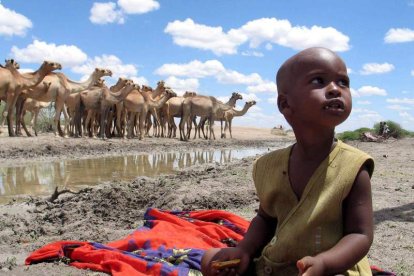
column 216, row 47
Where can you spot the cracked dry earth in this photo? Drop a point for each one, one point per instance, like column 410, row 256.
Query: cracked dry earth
column 111, row 210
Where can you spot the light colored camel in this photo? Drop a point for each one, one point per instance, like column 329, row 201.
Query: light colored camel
column 231, row 102
column 205, row 107
column 34, row 107
column 154, row 94
column 173, row 108
column 60, row 89
column 137, row 106
column 99, row 100
column 72, row 103
column 12, row 83
column 230, row 114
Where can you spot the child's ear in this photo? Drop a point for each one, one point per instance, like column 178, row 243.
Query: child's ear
column 283, row 104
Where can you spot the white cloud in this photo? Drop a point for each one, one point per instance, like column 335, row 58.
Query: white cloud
column 138, row 6
column 188, row 33
column 360, row 117
column 363, row 102
column 406, row 116
column 398, row 107
column 401, row 101
column 349, row 70
column 140, row 80
column 252, row 54
column 412, row 73
column 371, row 90
column 13, row 23
column 376, row 68
column 193, row 69
column 180, row 86
column 38, row 51
column 250, row 97
column 269, row 46
column 215, row 69
column 112, row 63
column 265, row 86
column 272, row 100
column 354, row 93
column 399, row 35
column 264, row 30
column 109, row 12
column 104, row 13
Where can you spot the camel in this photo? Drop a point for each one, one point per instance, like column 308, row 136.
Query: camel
column 171, row 109
column 101, row 99
column 72, row 102
column 12, row 83
column 34, row 107
column 59, row 90
column 216, row 117
column 137, row 106
column 155, row 94
column 205, row 107
column 230, row 114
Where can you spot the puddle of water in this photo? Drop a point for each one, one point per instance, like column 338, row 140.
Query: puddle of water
column 43, row 178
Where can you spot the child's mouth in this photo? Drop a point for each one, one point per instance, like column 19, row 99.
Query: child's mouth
column 334, row 105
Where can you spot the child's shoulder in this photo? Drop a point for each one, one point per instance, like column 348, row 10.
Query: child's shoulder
column 274, row 155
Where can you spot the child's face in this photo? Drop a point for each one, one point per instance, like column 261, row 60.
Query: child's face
column 319, row 92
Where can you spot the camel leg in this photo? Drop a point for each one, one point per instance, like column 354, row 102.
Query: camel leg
column 23, row 123
column 19, row 107
column 231, row 136
column 8, row 112
column 211, row 128
column 222, row 130
column 34, row 125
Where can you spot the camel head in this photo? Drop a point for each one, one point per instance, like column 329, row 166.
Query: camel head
column 100, row 72
column 122, row 81
column 46, row 85
column 161, row 83
column 50, row 66
column 146, row 88
column 251, row 103
column 189, row 94
column 11, row 63
column 170, row 93
column 100, row 83
column 236, row 96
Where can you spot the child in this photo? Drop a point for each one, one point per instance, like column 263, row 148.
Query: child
column 315, row 214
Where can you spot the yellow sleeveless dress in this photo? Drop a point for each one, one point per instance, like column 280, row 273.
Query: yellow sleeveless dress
column 314, row 223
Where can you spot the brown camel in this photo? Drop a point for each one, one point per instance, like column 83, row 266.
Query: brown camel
column 232, row 103
column 12, row 83
column 230, row 114
column 100, row 100
column 72, row 103
column 59, row 90
column 137, row 106
column 173, row 108
column 34, row 107
column 203, row 106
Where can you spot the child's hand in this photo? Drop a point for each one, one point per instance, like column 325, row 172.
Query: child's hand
column 310, row 266
column 239, row 262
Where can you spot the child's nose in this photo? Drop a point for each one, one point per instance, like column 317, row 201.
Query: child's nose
column 333, row 90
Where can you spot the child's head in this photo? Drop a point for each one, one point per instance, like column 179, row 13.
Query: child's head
column 313, row 89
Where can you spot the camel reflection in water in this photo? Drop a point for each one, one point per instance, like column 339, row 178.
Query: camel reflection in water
column 43, row 178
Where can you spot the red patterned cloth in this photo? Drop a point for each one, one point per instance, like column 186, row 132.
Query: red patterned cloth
column 169, row 243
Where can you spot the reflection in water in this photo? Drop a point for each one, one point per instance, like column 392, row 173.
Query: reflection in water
column 42, row 178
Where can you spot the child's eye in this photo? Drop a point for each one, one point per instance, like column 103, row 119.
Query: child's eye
column 344, row 83
column 317, row 80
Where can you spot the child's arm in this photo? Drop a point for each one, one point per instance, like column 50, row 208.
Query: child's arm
column 261, row 230
column 358, row 233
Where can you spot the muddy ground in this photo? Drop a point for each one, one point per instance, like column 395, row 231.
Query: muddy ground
column 110, row 211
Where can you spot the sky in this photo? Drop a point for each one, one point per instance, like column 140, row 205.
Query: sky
column 216, row 47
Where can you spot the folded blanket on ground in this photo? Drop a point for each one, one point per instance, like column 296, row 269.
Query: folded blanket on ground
column 170, row 243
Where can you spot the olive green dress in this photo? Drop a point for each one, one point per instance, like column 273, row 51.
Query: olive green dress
column 314, row 223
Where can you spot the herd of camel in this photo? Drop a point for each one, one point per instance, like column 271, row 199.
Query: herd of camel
column 124, row 110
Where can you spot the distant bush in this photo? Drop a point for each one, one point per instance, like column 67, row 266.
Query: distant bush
column 353, row 135
column 396, row 131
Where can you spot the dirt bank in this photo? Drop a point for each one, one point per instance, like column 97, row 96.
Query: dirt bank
column 91, row 215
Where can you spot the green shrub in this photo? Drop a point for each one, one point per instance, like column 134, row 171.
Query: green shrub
column 353, row 135
column 396, row 131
